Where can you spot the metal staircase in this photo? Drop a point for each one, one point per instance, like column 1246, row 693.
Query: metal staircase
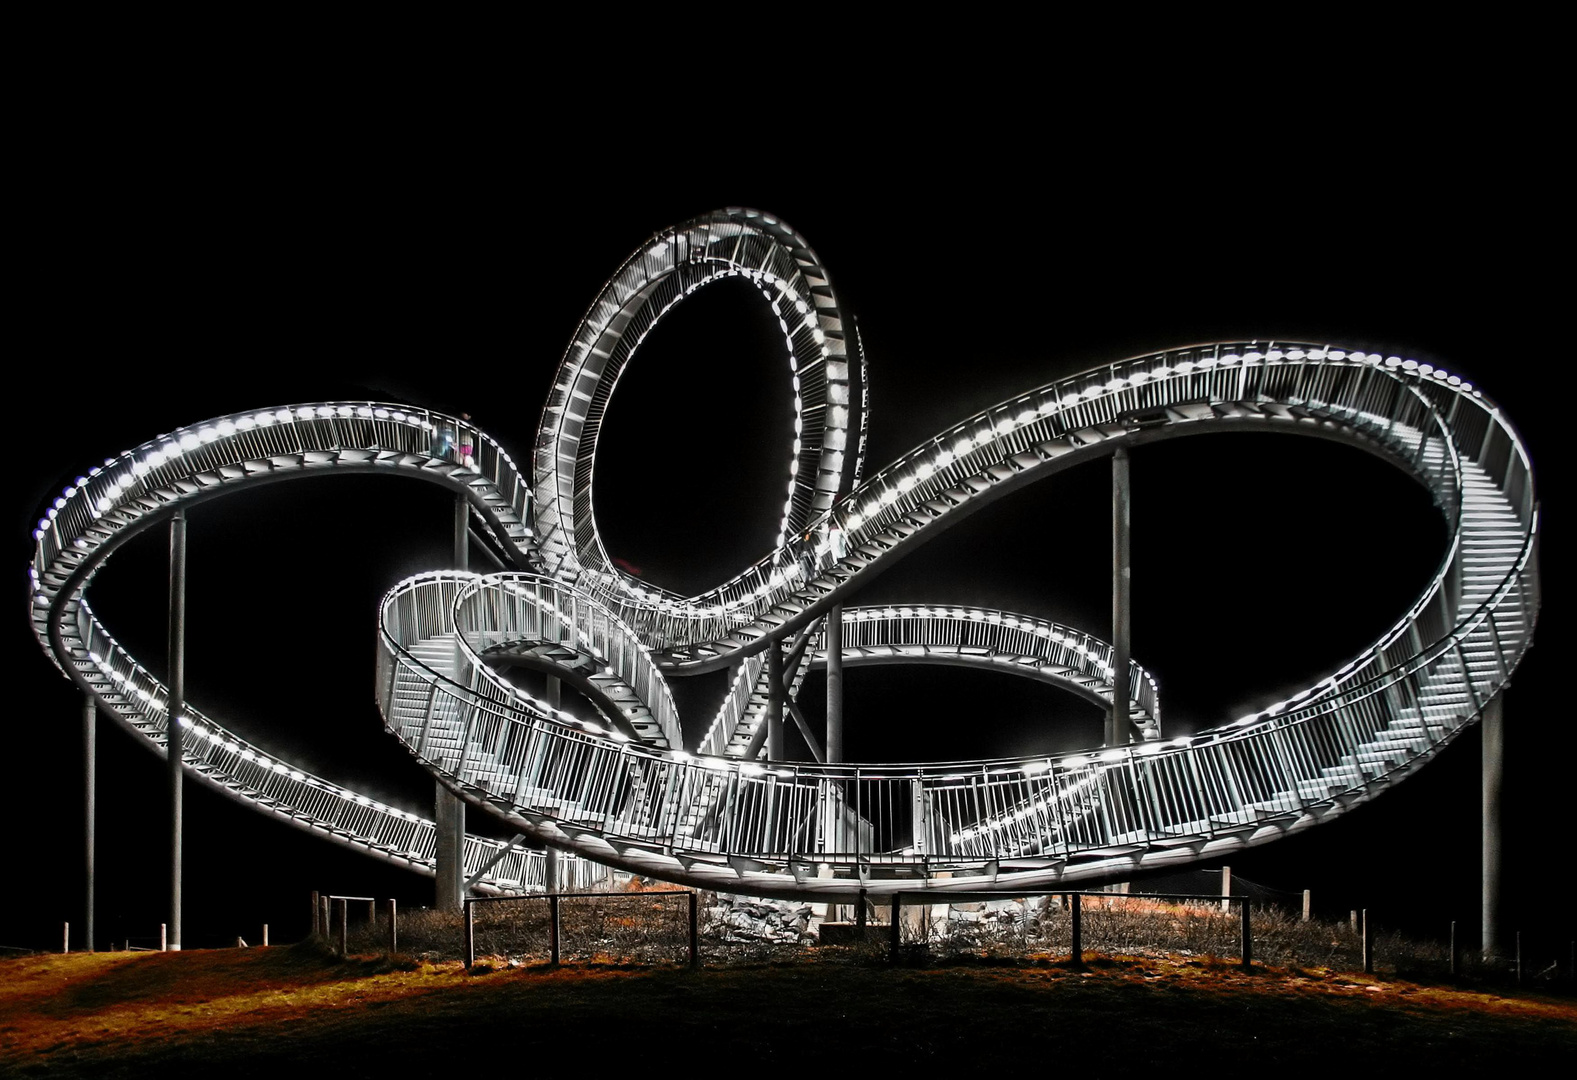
column 617, row 787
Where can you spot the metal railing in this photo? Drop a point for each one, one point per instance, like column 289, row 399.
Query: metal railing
column 806, row 829
column 1049, row 818
column 111, row 502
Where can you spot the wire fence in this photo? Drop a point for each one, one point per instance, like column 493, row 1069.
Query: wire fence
column 682, row 926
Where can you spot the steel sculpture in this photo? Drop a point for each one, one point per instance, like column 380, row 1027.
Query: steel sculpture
column 621, row 789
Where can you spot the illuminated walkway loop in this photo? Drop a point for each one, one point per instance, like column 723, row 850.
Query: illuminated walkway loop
column 622, row 789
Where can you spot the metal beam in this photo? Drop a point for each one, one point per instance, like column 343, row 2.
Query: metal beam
column 1117, row 723
column 449, row 887
column 835, row 684
column 177, row 704
column 776, row 749
column 804, row 729
column 90, row 715
column 471, row 882
column 1494, row 775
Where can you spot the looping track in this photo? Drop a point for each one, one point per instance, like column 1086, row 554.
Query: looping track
column 619, row 788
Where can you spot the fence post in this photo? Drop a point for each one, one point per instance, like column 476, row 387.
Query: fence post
column 896, row 931
column 1368, row 943
column 1226, row 889
column 695, row 945
column 1308, row 904
column 470, row 937
column 323, row 916
column 65, row 937
column 553, row 933
column 1454, row 971
column 317, row 923
column 1248, row 937
column 394, row 932
column 164, row 937
column 344, row 926
column 372, row 913
column 265, row 935
column 1078, row 932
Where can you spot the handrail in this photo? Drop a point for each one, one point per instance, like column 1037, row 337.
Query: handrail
column 1065, row 809
column 788, row 828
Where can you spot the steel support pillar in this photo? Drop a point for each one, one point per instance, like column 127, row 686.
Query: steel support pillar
column 775, row 742
column 177, row 705
column 554, row 696
column 449, row 852
column 90, row 716
column 1494, row 775
column 1117, row 721
column 835, row 684
column 448, row 809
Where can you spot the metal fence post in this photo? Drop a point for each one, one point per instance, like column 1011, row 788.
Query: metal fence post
column 65, row 937
column 1078, row 932
column 323, row 915
column 394, row 932
column 164, row 937
column 344, row 926
column 695, row 947
column 470, row 937
column 317, row 924
column 1248, row 937
column 265, row 935
column 553, row 933
column 1368, row 943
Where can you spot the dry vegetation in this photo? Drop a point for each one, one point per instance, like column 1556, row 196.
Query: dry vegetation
column 253, row 1012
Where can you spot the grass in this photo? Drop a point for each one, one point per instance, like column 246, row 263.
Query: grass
column 241, row 1013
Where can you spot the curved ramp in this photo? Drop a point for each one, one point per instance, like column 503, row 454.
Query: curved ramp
column 619, row 791
column 795, row 829
column 139, row 489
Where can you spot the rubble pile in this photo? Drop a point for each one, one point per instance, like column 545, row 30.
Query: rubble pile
column 740, row 919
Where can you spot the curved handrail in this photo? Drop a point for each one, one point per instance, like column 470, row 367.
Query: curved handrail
column 952, row 634
column 1292, row 764
column 585, row 786
column 663, row 271
column 110, row 503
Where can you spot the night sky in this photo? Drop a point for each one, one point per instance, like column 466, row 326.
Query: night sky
column 1260, row 563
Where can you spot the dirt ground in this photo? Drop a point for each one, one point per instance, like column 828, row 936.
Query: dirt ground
column 241, row 1013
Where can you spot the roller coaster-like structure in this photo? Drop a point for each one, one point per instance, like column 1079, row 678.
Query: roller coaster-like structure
column 621, row 789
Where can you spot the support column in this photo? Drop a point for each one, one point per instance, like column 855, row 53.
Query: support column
column 1494, row 775
column 448, row 809
column 462, row 533
column 177, row 705
column 775, row 748
column 1117, row 721
column 835, row 684
column 90, row 715
column 449, row 850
